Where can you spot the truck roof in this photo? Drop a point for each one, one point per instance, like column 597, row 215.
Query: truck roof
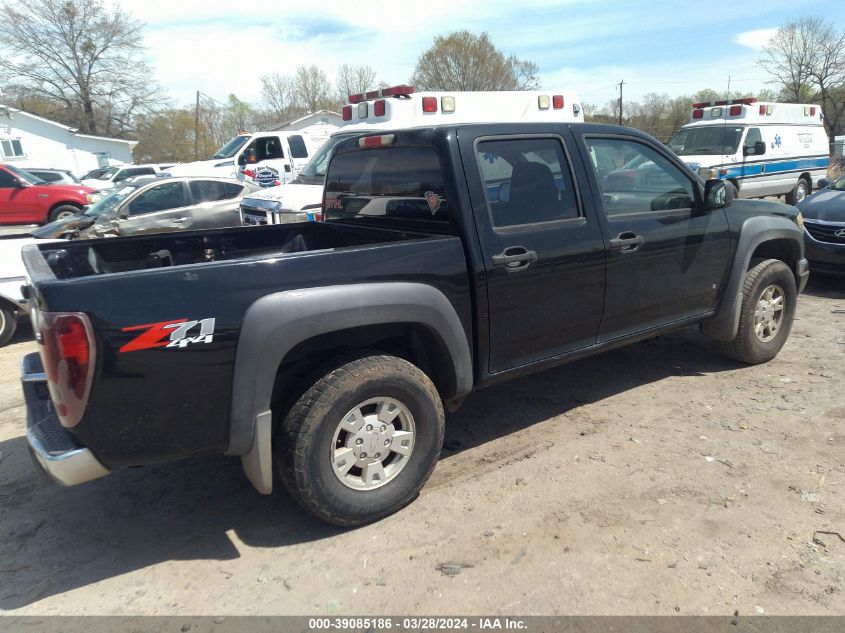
column 403, row 106
column 749, row 110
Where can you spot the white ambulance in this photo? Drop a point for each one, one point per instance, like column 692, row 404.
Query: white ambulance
column 266, row 158
column 764, row 149
column 402, row 107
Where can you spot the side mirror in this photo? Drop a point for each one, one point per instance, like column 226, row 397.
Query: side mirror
column 759, row 148
column 825, row 183
column 718, row 194
column 242, row 159
column 20, row 183
column 248, row 157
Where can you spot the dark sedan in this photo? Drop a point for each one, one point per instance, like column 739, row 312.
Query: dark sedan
column 824, row 221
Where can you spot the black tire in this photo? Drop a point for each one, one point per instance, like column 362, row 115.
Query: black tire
column 307, row 442
column 61, row 211
column 8, row 324
column 747, row 346
column 802, row 190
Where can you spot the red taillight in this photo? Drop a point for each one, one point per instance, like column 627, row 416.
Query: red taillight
column 347, row 113
column 762, row 110
column 697, row 114
column 812, row 111
column 378, row 107
column 429, row 104
column 557, row 102
column 68, row 353
column 735, row 110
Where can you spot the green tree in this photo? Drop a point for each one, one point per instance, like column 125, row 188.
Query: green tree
column 463, row 61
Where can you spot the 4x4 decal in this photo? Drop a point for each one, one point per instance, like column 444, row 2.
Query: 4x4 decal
column 176, row 331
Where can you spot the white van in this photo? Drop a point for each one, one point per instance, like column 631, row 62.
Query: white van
column 266, row 158
column 402, row 107
column 110, row 177
column 764, row 149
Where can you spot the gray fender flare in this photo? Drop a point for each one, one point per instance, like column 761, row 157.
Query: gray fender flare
column 756, row 230
column 276, row 323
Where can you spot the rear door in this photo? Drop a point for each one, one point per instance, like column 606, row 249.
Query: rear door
column 543, row 250
column 215, row 203
column 667, row 256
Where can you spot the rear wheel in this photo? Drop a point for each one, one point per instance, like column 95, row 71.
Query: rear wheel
column 801, row 191
column 362, row 440
column 768, row 309
column 62, row 211
column 8, row 324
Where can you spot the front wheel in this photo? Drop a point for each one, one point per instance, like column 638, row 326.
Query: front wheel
column 62, row 211
column 769, row 295
column 362, row 440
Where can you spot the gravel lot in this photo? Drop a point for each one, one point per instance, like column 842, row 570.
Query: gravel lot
column 657, row 479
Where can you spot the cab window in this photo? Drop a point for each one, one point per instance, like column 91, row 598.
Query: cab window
column 6, row 179
column 297, row 146
column 268, row 148
column 526, row 181
column 392, row 182
column 635, row 178
column 169, row 195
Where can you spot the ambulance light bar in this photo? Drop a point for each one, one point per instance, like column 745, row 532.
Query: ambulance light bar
column 393, row 91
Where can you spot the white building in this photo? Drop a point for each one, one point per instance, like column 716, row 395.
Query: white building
column 317, row 125
column 27, row 140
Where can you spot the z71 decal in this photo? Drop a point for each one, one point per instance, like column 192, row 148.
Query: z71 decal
column 170, row 334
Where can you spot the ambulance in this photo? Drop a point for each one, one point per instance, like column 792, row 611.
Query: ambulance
column 764, row 149
column 402, row 107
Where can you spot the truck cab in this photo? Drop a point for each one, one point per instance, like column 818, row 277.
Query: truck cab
column 264, row 158
column 299, row 200
column 763, row 149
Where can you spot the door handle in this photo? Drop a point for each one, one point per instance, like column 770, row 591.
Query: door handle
column 179, row 220
column 515, row 258
column 626, row 242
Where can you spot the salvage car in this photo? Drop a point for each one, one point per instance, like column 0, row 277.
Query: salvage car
column 824, row 221
column 450, row 258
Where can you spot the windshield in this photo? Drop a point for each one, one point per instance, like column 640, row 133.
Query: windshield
column 110, row 202
column 839, row 185
column 708, row 140
column 25, row 175
column 231, row 148
column 314, row 173
column 102, row 174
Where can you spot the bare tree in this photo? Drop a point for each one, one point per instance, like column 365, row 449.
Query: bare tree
column 806, row 58
column 353, row 80
column 463, row 61
column 313, row 88
column 279, row 96
column 86, row 58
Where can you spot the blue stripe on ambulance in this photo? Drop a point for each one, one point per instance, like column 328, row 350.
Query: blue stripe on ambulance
column 774, row 167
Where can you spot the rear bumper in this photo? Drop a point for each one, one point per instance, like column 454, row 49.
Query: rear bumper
column 55, row 451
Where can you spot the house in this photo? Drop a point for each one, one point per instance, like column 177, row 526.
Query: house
column 317, row 125
column 27, row 140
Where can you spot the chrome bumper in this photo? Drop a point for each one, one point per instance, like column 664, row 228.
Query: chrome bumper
column 53, row 449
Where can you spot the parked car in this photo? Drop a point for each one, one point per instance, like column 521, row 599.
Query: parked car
column 110, row 177
column 151, row 204
column 824, row 224
column 55, row 176
column 450, row 258
column 26, row 199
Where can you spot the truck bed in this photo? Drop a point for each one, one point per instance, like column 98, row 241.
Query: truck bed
column 69, row 260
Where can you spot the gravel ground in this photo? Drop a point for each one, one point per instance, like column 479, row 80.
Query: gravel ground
column 656, row 479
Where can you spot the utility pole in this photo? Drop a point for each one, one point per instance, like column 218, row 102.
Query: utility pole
column 197, row 128
column 620, row 101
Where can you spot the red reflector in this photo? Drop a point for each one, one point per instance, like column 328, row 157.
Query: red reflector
column 347, row 113
column 762, row 110
column 697, row 114
column 381, row 140
column 812, row 111
column 379, row 107
column 557, row 102
column 68, row 354
column 736, row 110
column 395, row 91
column 429, row 104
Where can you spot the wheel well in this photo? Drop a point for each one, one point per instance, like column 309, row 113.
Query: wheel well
column 8, row 304
column 65, row 203
column 785, row 250
column 806, row 177
column 411, row 341
column 735, row 183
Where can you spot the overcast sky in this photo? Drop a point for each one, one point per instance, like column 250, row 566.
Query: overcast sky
column 583, row 45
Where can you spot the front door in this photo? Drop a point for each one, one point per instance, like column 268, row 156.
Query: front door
column 543, row 252
column 163, row 207
column 667, row 255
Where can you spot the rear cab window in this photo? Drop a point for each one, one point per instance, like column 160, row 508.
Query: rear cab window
column 404, row 183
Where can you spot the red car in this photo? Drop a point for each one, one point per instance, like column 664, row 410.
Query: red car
column 26, row 199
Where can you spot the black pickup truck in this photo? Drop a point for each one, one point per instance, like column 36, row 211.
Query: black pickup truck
column 450, row 258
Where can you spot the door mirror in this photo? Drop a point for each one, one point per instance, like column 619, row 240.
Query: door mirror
column 247, row 158
column 718, row 194
column 242, row 159
column 20, row 183
column 757, row 149
column 825, row 183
